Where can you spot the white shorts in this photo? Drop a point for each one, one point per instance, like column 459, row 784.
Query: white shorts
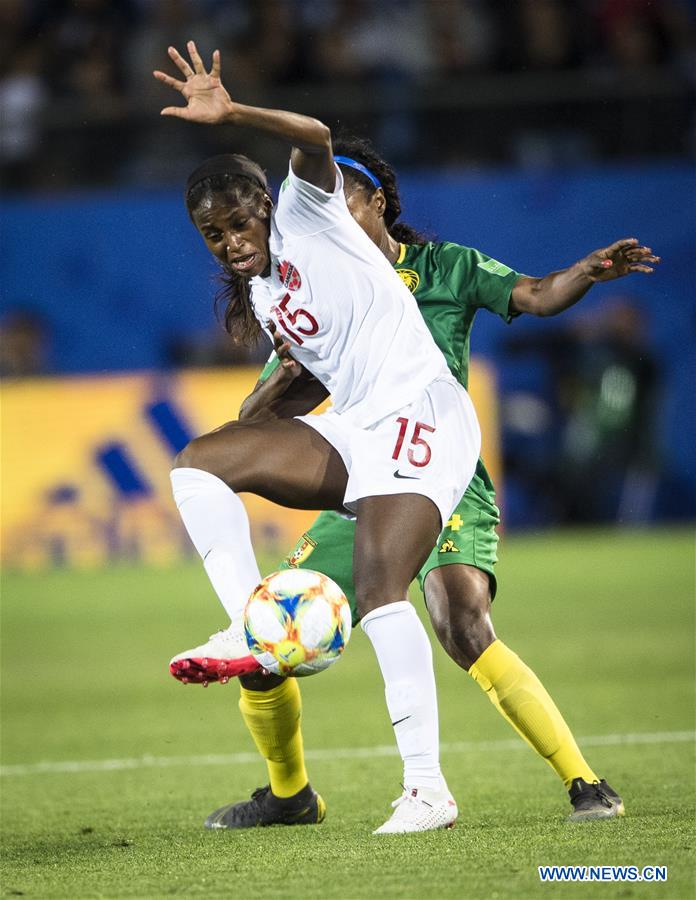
column 429, row 447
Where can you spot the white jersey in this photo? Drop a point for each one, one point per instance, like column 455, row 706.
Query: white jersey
column 348, row 316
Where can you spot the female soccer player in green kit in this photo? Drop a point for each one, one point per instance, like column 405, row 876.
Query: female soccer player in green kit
column 450, row 283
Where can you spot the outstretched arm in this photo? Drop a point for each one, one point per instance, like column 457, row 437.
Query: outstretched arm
column 557, row 291
column 208, row 102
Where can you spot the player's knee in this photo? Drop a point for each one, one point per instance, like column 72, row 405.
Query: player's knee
column 209, row 453
column 375, row 581
column 470, row 633
column 458, row 600
column 190, row 457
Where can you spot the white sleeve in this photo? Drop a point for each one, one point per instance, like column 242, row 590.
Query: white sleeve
column 304, row 209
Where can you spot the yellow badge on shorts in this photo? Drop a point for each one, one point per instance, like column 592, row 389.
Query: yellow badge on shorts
column 448, row 547
column 410, row 278
column 305, row 546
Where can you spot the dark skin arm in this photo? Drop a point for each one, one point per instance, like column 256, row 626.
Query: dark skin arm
column 208, row 102
column 276, row 399
column 558, row 291
column 289, row 391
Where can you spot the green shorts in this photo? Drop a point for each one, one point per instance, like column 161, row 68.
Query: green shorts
column 469, row 537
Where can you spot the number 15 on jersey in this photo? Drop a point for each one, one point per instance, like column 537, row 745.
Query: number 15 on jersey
column 295, row 322
column 420, row 457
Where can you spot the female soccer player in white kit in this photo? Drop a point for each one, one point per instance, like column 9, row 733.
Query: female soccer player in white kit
column 398, row 447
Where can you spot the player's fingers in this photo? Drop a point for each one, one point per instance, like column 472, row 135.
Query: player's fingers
column 167, row 79
column 179, row 112
column 639, row 267
column 280, row 345
column 195, row 58
column 180, row 62
column 643, row 257
column 623, row 244
column 644, row 253
column 215, row 71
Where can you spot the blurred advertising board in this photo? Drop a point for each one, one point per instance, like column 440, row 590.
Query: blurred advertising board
column 85, row 465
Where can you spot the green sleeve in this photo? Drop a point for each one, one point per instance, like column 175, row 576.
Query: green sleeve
column 270, row 367
column 477, row 281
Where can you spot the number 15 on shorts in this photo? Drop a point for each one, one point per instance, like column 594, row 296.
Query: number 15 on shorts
column 419, row 457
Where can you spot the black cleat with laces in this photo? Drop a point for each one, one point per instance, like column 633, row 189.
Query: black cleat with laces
column 304, row 808
column 595, row 800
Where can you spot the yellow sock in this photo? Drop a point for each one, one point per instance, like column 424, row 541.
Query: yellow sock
column 521, row 698
column 273, row 718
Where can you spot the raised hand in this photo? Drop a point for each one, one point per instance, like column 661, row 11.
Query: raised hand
column 619, row 259
column 207, row 101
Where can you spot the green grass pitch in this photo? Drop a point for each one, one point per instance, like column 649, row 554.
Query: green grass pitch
column 604, row 618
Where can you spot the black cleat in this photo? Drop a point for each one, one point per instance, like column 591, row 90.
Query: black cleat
column 304, row 808
column 595, row 800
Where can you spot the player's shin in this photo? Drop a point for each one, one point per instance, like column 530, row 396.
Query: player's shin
column 273, row 719
column 521, row 698
column 405, row 659
column 218, row 525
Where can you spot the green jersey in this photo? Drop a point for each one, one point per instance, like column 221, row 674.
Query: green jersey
column 450, row 283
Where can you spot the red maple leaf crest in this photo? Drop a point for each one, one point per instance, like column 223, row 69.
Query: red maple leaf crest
column 289, row 276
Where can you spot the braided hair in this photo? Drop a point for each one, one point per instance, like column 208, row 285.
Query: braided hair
column 362, row 151
column 224, row 180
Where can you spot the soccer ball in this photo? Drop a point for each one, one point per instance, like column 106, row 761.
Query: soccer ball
column 297, row 622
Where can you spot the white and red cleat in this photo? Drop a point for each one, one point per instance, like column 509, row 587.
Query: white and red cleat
column 420, row 809
column 225, row 655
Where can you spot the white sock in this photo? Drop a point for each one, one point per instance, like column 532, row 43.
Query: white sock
column 218, row 525
column 406, row 660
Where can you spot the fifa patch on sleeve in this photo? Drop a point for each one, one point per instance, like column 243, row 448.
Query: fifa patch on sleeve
column 495, row 268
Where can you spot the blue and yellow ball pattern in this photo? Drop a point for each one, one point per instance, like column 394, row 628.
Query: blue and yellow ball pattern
column 297, row 622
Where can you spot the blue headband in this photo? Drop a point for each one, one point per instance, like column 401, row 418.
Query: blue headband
column 354, row 164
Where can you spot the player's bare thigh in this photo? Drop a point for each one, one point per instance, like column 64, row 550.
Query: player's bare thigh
column 285, row 461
